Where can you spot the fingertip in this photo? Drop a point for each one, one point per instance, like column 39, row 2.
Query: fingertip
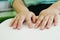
column 29, row 23
column 29, row 26
column 14, row 27
column 35, row 26
column 10, row 24
column 41, row 28
column 18, row 28
column 47, row 27
column 55, row 24
column 19, row 25
column 34, row 19
column 55, row 20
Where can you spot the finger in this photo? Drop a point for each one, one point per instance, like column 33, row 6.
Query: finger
column 12, row 22
column 36, row 19
column 39, row 21
column 50, row 21
column 29, row 22
column 15, row 23
column 33, row 18
column 44, row 22
column 55, row 20
column 21, row 20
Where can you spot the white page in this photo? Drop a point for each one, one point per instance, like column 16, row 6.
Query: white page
column 7, row 33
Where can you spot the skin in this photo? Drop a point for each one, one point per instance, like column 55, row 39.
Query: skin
column 46, row 18
column 23, row 14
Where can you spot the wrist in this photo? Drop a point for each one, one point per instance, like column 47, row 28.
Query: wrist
column 56, row 6
column 54, row 9
column 22, row 10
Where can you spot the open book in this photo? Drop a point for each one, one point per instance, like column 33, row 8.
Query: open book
column 7, row 33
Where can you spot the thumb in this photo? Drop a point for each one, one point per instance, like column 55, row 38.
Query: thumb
column 33, row 17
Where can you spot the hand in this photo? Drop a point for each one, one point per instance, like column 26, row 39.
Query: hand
column 27, row 16
column 46, row 18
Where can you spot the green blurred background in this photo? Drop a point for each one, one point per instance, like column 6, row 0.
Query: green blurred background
column 5, row 13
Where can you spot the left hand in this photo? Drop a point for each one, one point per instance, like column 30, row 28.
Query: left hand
column 46, row 18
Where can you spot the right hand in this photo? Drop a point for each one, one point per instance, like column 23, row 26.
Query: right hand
column 27, row 16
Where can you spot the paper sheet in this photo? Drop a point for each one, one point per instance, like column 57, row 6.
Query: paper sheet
column 7, row 33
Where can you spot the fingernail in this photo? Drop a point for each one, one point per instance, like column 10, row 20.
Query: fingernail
column 19, row 28
column 41, row 28
column 14, row 27
column 30, row 27
column 55, row 24
column 35, row 27
column 47, row 27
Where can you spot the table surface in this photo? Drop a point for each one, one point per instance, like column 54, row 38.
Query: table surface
column 7, row 33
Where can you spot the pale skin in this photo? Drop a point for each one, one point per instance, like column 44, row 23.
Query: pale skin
column 46, row 18
column 23, row 15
